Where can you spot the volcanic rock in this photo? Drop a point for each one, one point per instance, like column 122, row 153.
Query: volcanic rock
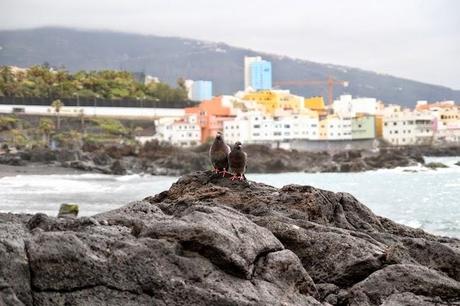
column 211, row 241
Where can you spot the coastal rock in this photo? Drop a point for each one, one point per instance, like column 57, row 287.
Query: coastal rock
column 11, row 159
column 212, row 241
column 435, row 166
column 415, row 279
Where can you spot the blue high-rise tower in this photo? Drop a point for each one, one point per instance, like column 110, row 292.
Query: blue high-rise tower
column 261, row 75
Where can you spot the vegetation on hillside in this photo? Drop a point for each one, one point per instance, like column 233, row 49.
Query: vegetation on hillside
column 44, row 132
column 42, row 81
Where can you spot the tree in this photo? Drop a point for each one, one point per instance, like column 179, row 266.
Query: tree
column 57, row 105
column 46, row 127
column 18, row 138
column 81, row 115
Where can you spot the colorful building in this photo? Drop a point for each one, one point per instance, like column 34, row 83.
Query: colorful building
column 211, row 115
column 257, row 73
column 333, row 127
column 201, row 90
column 258, row 127
column 184, row 132
column 315, row 104
column 274, row 101
column 406, row 127
column 446, row 116
column 261, row 75
column 363, row 127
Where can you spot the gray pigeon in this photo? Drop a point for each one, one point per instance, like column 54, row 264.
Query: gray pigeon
column 218, row 153
column 237, row 162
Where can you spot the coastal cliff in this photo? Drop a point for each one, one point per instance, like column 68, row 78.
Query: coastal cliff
column 210, row 241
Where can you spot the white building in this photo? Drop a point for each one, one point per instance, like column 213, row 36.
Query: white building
column 446, row 120
column 336, row 128
column 184, row 132
column 149, row 79
column 256, row 127
column 347, row 106
column 405, row 127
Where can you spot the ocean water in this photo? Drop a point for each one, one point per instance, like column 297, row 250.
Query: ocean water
column 415, row 196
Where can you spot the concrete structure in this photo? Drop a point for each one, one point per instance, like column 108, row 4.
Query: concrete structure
column 257, row 127
column 316, row 104
column 335, row 128
column 257, row 73
column 446, row 116
column 261, row 75
column 184, row 132
column 211, row 115
column 118, row 112
column 248, row 60
column 363, row 127
column 405, row 127
column 306, row 145
column 347, row 106
column 201, row 90
column 274, row 101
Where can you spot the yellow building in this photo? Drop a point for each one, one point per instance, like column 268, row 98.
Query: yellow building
column 379, row 126
column 316, row 104
column 266, row 98
column 273, row 100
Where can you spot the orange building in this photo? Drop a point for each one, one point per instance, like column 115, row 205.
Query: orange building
column 211, row 115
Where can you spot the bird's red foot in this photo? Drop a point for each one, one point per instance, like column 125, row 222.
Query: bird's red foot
column 224, row 172
column 215, row 170
column 237, row 177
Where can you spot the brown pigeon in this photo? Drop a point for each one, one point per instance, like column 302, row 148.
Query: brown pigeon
column 237, row 162
column 218, row 153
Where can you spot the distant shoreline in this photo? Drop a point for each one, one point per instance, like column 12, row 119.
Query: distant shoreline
column 36, row 169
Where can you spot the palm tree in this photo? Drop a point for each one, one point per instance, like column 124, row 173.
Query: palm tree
column 81, row 115
column 57, row 105
column 46, row 127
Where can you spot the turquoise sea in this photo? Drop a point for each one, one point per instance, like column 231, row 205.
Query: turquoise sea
column 415, row 196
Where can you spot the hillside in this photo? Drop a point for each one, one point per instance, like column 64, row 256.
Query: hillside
column 171, row 57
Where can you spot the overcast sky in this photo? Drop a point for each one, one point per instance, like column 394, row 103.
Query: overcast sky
column 416, row 39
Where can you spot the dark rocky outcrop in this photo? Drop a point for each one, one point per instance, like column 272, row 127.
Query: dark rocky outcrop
column 163, row 159
column 210, row 241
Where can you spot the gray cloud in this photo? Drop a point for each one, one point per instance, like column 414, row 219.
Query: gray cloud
column 416, row 39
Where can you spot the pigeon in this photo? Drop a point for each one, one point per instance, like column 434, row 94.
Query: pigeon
column 218, row 153
column 237, row 162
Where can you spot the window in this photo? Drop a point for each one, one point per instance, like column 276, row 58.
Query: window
column 256, row 126
column 394, row 123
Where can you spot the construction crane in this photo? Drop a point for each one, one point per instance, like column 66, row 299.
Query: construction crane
column 330, row 82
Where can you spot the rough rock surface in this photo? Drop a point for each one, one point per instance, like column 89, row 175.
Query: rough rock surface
column 210, row 241
column 163, row 159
